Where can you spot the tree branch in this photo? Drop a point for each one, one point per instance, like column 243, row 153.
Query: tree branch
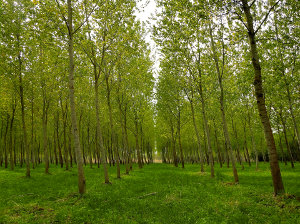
column 266, row 16
column 88, row 16
column 63, row 16
column 252, row 3
column 241, row 19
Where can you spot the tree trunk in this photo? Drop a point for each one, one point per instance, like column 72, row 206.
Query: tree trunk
column 45, row 142
column 11, row 156
column 70, row 146
column 280, row 146
column 5, row 143
column 137, row 141
column 99, row 139
column 179, row 140
column 274, row 165
column 58, row 142
column 33, row 151
column 225, row 128
column 245, row 145
column 125, row 143
column 126, row 137
column 253, row 140
column 54, row 149
column 286, row 140
column 81, row 178
column 210, row 154
column 197, row 134
column 173, row 146
column 25, row 145
column 113, row 136
column 238, row 146
column 218, row 146
column 287, row 85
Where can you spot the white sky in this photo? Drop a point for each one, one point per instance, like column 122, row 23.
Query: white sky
column 146, row 11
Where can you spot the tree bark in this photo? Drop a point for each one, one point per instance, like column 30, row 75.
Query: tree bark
column 99, row 138
column 137, row 141
column 286, row 140
column 218, row 146
column 173, row 146
column 81, row 178
column 197, row 134
column 275, row 170
column 112, row 131
column 225, row 128
column 45, row 139
column 25, row 145
column 58, row 142
column 179, row 140
column 125, row 143
column 238, row 146
column 206, row 129
column 252, row 140
column 11, row 156
column 287, row 85
column 5, row 143
column 280, row 146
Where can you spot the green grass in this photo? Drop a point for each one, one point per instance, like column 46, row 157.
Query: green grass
column 158, row 193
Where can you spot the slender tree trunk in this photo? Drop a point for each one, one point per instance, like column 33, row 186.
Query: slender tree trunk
column 197, row 134
column 15, row 154
column 286, row 140
column 225, row 128
column 246, row 146
column 11, row 156
column 179, row 140
column 218, row 146
column 173, row 146
column 1, row 151
column 5, row 143
column 125, row 143
column 70, row 146
column 253, row 141
column 25, row 145
column 81, row 135
column 113, row 136
column 54, row 149
column 58, row 142
column 21, row 158
column 45, row 139
column 275, row 170
column 287, row 85
column 237, row 145
column 206, row 128
column 99, row 146
column 81, row 178
column 89, row 145
column 33, row 151
column 126, row 137
column 137, row 142
column 280, row 146
column 99, row 138
column 1, row 155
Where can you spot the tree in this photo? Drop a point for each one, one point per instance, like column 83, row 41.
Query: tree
column 275, row 170
column 71, row 32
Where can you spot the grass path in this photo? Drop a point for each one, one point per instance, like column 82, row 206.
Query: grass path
column 158, row 193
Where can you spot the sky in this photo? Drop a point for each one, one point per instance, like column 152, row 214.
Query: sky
column 147, row 9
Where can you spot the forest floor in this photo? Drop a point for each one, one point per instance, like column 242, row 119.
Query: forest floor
column 158, row 193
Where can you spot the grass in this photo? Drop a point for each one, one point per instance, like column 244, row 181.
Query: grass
column 158, row 193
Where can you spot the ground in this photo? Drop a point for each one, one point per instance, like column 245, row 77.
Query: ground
column 158, row 193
